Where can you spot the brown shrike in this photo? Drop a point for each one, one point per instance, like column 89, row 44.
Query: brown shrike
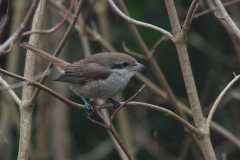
column 102, row 75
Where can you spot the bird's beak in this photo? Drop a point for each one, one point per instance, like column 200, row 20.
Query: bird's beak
column 138, row 67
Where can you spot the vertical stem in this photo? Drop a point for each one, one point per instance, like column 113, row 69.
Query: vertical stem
column 203, row 135
column 26, row 108
column 25, row 130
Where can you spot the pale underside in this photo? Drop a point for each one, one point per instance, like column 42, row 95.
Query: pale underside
column 106, row 88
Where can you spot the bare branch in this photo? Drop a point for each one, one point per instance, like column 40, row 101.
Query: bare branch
column 111, row 129
column 147, row 25
column 227, row 18
column 188, row 20
column 20, row 84
column 55, row 28
column 162, row 39
column 214, row 107
column 214, row 8
column 122, row 105
column 131, row 52
column 18, row 33
column 12, row 93
column 93, row 121
column 9, row 8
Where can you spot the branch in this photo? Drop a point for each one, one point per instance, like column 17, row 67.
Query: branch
column 133, row 104
column 20, row 84
column 162, row 39
column 18, row 33
column 55, row 28
column 192, row 10
column 189, row 82
column 214, row 107
column 2, row 31
column 12, row 93
column 214, row 8
column 131, row 52
column 125, row 103
column 42, row 87
column 147, row 25
column 110, row 128
column 227, row 18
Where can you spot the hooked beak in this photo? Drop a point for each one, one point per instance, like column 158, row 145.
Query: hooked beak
column 138, row 67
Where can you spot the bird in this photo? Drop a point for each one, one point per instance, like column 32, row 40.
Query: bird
column 101, row 75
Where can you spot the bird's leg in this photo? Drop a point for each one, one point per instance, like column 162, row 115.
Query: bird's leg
column 89, row 108
column 115, row 102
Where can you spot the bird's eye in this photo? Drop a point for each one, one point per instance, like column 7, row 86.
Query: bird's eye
column 125, row 64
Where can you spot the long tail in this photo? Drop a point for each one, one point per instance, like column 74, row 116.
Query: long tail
column 55, row 60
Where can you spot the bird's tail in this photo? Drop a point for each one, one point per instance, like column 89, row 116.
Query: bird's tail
column 55, row 60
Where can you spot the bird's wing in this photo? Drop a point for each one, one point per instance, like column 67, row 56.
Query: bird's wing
column 79, row 73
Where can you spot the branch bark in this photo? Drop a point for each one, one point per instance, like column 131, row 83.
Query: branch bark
column 227, row 18
column 203, row 134
column 26, row 108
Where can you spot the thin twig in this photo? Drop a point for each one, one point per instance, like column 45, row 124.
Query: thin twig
column 122, row 105
column 2, row 31
column 98, row 113
column 20, row 84
column 159, row 153
column 110, row 128
column 214, row 8
column 214, row 107
column 98, row 123
column 57, row 52
column 131, row 52
column 113, row 132
column 162, row 39
column 147, row 25
column 188, row 20
column 55, row 28
column 12, row 93
column 227, row 18
column 18, row 33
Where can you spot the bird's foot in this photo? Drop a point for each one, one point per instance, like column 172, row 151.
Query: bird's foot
column 89, row 108
column 115, row 103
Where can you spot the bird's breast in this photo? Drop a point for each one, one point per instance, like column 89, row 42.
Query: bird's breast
column 106, row 88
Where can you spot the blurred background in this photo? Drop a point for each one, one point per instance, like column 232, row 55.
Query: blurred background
column 62, row 132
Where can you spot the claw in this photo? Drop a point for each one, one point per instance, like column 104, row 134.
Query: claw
column 89, row 108
column 115, row 102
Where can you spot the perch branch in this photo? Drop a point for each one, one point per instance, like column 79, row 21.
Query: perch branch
column 133, row 104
